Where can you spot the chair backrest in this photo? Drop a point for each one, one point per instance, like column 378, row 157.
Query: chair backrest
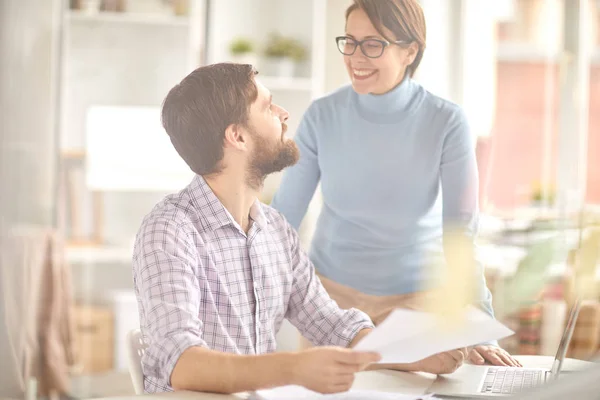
column 135, row 350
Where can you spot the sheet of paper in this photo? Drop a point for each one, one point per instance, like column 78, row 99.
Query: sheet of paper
column 407, row 336
column 300, row 393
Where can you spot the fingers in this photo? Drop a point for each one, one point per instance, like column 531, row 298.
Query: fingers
column 344, row 380
column 494, row 355
column 465, row 353
column 452, row 360
column 476, row 358
column 493, row 358
column 518, row 362
column 341, row 387
column 344, row 368
column 357, row 357
column 449, row 363
column 341, row 383
column 459, row 355
column 507, row 358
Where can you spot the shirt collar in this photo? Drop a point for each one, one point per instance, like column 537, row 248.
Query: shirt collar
column 213, row 213
column 257, row 213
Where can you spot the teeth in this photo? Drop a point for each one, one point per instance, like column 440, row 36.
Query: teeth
column 362, row 72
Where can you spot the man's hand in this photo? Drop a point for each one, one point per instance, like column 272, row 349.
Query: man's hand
column 330, row 369
column 442, row 363
column 494, row 355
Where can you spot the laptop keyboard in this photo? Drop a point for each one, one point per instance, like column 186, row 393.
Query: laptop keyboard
column 502, row 380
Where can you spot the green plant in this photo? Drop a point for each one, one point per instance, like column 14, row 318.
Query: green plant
column 241, row 46
column 530, row 277
column 534, row 271
column 541, row 193
column 280, row 46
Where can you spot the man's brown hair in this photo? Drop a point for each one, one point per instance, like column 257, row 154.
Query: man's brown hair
column 198, row 110
column 404, row 18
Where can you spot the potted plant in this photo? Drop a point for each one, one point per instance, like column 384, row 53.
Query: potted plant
column 283, row 54
column 180, row 7
column 113, row 5
column 242, row 51
column 89, row 6
column 542, row 196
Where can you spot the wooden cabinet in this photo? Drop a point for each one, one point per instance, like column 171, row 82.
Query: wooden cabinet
column 94, row 336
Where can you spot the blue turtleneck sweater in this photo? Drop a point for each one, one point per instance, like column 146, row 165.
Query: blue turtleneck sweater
column 396, row 170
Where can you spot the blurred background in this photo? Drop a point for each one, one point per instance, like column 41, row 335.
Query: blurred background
column 81, row 84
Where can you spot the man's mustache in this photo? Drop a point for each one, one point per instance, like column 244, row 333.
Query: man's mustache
column 284, row 128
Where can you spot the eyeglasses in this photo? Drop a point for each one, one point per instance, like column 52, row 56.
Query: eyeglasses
column 372, row 48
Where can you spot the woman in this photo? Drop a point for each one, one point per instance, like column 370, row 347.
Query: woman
column 397, row 168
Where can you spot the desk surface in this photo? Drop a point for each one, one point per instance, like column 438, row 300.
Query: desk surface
column 382, row 380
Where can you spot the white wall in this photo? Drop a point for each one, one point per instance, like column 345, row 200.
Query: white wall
column 118, row 64
column 460, row 59
column 335, row 71
column 478, row 67
column 434, row 73
column 29, row 44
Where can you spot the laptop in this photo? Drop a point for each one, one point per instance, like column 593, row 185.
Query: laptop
column 476, row 381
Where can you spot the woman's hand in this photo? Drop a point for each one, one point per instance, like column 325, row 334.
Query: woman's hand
column 495, row 355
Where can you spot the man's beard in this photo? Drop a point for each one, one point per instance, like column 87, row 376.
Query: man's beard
column 270, row 157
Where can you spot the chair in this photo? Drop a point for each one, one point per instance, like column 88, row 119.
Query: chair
column 135, row 350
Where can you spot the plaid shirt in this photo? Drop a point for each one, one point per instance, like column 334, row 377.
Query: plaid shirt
column 201, row 281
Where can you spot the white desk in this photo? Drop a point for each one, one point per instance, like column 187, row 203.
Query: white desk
column 383, row 380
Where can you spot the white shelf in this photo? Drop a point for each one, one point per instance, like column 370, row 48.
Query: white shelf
column 516, row 52
column 526, row 52
column 127, row 18
column 282, row 83
column 596, row 55
column 98, row 255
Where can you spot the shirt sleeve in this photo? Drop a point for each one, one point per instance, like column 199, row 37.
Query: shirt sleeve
column 312, row 311
column 164, row 268
column 460, row 188
column 299, row 182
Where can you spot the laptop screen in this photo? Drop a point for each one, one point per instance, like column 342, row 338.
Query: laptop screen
column 566, row 339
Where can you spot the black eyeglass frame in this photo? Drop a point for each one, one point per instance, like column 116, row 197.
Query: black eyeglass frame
column 359, row 43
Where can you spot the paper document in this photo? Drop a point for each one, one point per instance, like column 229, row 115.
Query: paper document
column 300, row 393
column 407, row 336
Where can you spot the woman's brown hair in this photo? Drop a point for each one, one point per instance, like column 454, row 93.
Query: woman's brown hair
column 404, row 18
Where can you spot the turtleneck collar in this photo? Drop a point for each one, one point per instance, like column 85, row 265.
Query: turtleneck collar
column 391, row 106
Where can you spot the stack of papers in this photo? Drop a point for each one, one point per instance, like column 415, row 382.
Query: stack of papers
column 300, row 393
column 408, row 336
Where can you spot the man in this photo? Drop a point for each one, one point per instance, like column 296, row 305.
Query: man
column 216, row 271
